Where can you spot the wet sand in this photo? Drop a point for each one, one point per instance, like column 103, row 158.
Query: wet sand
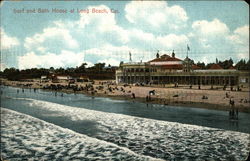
column 169, row 95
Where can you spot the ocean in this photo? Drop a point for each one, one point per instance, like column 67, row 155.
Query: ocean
column 39, row 125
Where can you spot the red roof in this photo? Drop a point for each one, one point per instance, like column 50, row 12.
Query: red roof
column 194, row 67
column 232, row 67
column 175, row 66
column 215, row 66
column 165, row 58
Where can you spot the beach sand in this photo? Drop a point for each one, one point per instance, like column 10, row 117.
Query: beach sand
column 169, row 95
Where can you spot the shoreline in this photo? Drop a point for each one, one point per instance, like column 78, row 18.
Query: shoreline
column 185, row 97
column 157, row 101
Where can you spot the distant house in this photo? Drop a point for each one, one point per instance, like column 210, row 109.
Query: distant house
column 82, row 79
column 44, row 78
column 63, row 77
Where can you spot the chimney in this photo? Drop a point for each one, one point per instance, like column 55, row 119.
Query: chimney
column 173, row 54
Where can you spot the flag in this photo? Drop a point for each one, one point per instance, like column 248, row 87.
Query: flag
column 188, row 48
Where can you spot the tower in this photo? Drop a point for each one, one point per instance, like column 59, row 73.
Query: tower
column 173, row 54
column 157, row 54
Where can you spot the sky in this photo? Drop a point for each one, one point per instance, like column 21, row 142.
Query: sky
column 44, row 34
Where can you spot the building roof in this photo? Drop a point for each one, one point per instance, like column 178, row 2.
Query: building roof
column 172, row 66
column 165, row 58
column 232, row 67
column 194, row 67
column 215, row 66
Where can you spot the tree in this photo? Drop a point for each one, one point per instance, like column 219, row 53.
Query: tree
column 11, row 73
column 242, row 65
column 81, row 68
column 226, row 64
column 99, row 67
column 248, row 65
column 201, row 65
column 60, row 70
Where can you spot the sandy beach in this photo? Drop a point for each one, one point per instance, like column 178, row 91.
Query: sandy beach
column 215, row 98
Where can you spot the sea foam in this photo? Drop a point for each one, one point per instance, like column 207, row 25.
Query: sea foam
column 158, row 139
column 24, row 137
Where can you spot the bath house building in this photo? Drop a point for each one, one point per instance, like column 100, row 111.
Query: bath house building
column 166, row 69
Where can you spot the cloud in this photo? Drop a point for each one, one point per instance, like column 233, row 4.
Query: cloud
column 54, row 34
column 156, row 14
column 111, row 61
column 102, row 39
column 64, row 59
column 108, row 49
column 145, row 40
column 240, row 41
column 173, row 41
column 208, row 34
column 115, row 54
column 240, row 35
column 215, row 39
column 102, row 24
column 8, row 42
column 151, row 26
column 104, row 21
column 214, row 27
column 141, row 35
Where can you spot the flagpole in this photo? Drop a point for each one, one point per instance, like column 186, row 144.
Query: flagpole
column 188, row 49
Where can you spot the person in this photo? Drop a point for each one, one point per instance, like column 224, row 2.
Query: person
column 232, row 103
column 147, row 100
column 237, row 113
column 133, row 95
column 230, row 114
column 227, row 95
column 224, row 87
column 234, row 114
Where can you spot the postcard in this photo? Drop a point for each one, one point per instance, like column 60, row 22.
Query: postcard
column 125, row 80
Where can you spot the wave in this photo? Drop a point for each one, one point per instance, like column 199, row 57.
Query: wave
column 155, row 138
column 26, row 137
